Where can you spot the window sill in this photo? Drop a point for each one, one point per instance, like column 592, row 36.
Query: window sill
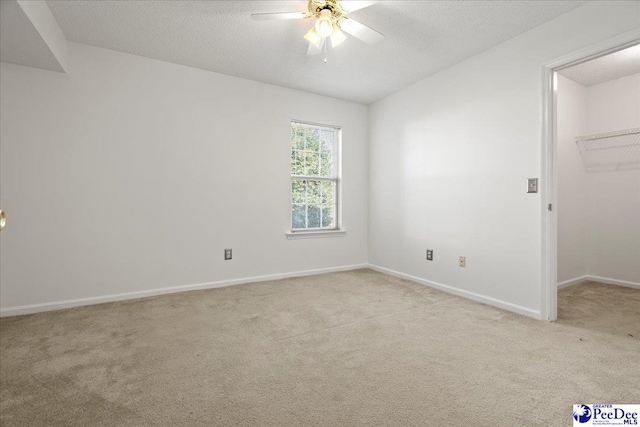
column 315, row 234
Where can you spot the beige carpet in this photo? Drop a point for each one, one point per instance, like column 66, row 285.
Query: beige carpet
column 347, row 349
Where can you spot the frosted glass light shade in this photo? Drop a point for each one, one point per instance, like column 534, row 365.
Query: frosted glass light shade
column 337, row 37
column 324, row 26
column 313, row 37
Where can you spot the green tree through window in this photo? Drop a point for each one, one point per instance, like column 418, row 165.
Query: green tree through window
column 314, row 177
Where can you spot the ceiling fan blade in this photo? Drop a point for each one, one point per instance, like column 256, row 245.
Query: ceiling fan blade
column 280, row 15
column 353, row 5
column 313, row 50
column 360, row 31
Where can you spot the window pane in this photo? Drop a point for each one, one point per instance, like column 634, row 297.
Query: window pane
column 314, row 189
column 297, row 137
column 298, row 191
column 297, row 162
column 313, row 151
column 312, row 162
column 312, row 140
column 328, row 216
column 313, row 216
column 326, row 165
column 313, row 204
column 299, row 216
column 327, row 150
column 328, row 192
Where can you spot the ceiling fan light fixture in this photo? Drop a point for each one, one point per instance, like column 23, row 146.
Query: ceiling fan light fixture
column 337, row 37
column 313, row 37
column 330, row 20
column 324, row 26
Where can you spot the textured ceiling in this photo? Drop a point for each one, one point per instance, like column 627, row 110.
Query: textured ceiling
column 422, row 38
column 610, row 67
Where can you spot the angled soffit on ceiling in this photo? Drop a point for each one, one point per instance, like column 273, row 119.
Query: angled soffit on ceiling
column 422, row 38
column 616, row 65
column 30, row 36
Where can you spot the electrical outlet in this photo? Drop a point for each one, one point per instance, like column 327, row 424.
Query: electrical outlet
column 429, row 254
column 227, row 254
column 462, row 261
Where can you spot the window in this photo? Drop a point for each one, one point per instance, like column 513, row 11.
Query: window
column 315, row 177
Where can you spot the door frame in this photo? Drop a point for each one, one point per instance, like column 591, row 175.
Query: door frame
column 548, row 164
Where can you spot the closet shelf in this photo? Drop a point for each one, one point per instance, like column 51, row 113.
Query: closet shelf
column 610, row 151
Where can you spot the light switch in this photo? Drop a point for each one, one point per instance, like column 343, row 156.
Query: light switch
column 532, row 185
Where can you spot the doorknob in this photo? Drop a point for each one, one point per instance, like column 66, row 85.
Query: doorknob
column 3, row 219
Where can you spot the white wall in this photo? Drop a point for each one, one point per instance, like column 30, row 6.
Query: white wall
column 449, row 158
column 128, row 174
column 572, row 206
column 614, row 196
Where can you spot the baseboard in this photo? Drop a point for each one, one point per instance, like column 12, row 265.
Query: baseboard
column 60, row 305
column 616, row 282
column 525, row 311
column 604, row 280
column 573, row 281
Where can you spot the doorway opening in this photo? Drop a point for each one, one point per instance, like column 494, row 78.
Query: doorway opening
column 591, row 181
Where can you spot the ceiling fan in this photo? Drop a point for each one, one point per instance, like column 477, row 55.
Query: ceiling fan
column 331, row 20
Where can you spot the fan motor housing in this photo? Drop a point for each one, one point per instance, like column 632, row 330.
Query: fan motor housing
column 317, row 6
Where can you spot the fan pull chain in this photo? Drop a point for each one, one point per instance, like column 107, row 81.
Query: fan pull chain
column 325, row 50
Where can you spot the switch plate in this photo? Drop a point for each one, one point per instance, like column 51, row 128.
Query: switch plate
column 227, row 254
column 532, row 185
column 462, row 261
column 429, row 254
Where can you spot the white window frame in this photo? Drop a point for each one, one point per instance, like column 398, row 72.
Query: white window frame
column 319, row 232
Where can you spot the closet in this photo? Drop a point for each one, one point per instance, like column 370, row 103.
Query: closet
column 598, row 176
